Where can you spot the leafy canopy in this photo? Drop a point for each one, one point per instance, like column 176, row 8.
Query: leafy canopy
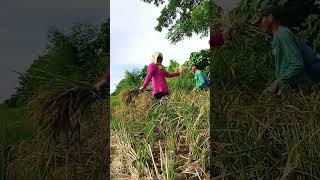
column 183, row 18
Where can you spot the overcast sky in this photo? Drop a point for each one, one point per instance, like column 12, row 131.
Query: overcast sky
column 24, row 26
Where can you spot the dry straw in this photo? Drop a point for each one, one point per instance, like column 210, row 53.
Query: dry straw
column 58, row 111
column 128, row 96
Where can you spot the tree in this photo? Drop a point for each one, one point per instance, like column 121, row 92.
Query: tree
column 312, row 31
column 75, row 55
column 173, row 66
column 201, row 58
column 132, row 79
column 295, row 11
column 183, row 18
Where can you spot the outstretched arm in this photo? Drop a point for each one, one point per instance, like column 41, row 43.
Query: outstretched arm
column 170, row 75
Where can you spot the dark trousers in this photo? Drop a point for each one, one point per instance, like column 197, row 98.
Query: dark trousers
column 160, row 95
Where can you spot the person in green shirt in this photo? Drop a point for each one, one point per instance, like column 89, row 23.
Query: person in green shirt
column 289, row 64
column 200, row 79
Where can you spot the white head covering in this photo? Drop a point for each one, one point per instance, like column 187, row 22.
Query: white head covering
column 155, row 56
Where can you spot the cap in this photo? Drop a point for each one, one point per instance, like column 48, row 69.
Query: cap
column 266, row 11
column 192, row 66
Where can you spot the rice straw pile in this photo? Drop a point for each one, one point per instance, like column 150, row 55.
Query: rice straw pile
column 129, row 95
column 61, row 106
column 58, row 110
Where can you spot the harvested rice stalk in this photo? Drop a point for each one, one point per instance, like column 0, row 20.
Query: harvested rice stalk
column 234, row 27
column 60, row 107
column 129, row 95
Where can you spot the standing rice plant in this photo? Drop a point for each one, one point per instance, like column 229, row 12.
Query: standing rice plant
column 164, row 147
column 268, row 138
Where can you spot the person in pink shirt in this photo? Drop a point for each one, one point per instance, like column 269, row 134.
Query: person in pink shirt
column 157, row 73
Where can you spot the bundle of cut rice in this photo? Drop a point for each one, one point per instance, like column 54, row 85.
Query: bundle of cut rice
column 129, row 95
column 61, row 106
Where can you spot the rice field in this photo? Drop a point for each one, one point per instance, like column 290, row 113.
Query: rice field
column 266, row 137
column 161, row 140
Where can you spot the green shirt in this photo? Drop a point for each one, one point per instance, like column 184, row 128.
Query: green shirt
column 288, row 59
column 200, row 81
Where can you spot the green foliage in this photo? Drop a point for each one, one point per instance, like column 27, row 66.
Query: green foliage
column 12, row 119
column 184, row 82
column 133, row 79
column 312, row 31
column 243, row 68
column 80, row 54
column 294, row 11
column 183, row 18
column 201, row 58
column 103, row 47
column 172, row 66
column 114, row 101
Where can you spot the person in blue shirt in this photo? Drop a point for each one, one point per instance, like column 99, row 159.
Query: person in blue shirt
column 201, row 80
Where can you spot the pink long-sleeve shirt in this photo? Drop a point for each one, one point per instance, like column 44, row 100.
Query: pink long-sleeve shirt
column 158, row 77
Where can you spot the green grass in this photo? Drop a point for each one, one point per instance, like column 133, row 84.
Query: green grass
column 14, row 128
column 114, row 101
column 14, row 124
